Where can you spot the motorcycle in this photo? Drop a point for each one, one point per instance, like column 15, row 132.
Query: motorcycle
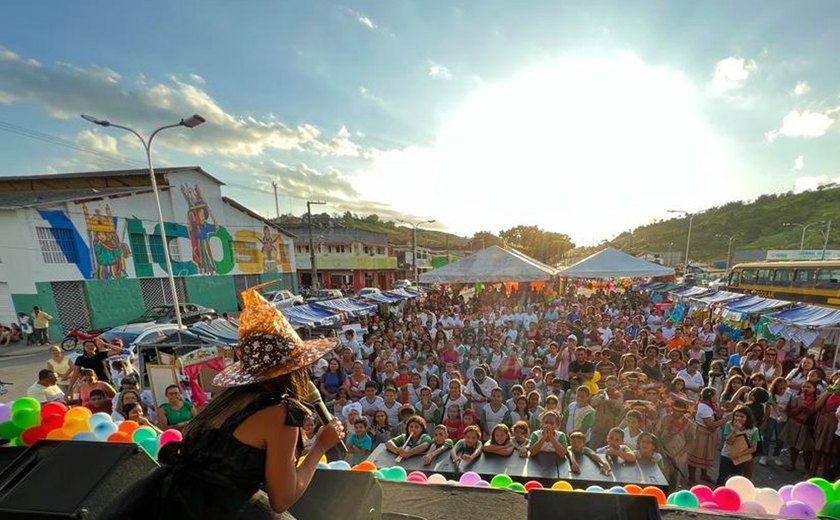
column 75, row 336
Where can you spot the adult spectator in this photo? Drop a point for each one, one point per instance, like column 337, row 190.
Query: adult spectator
column 510, row 370
column 98, row 402
column 93, row 357
column 350, row 341
column 45, row 389
column 60, row 364
column 177, row 412
column 90, row 382
column 478, row 389
column 40, row 324
column 332, row 379
column 581, row 367
column 693, row 379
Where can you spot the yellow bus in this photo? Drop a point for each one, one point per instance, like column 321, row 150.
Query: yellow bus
column 815, row 282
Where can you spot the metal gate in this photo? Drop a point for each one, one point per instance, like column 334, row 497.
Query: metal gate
column 71, row 304
column 242, row 282
column 156, row 291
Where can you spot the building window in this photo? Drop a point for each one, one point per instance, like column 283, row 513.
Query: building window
column 367, row 250
column 380, row 250
column 138, row 247
column 57, row 245
column 245, row 252
column 156, row 248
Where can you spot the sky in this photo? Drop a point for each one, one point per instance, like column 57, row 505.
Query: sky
column 582, row 117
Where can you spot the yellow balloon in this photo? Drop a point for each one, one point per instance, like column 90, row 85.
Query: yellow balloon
column 74, row 426
column 322, row 460
column 593, row 387
column 596, row 377
column 78, row 412
column 561, row 485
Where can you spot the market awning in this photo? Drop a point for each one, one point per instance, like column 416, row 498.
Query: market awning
column 310, row 316
column 491, row 265
column 385, row 297
column 403, row 293
column 719, row 297
column 754, row 304
column 612, row 263
column 687, row 292
column 809, row 316
column 351, row 307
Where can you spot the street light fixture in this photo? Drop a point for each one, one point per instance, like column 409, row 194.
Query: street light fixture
column 190, row 122
column 804, row 229
column 414, row 246
column 729, row 247
column 688, row 239
column 309, row 204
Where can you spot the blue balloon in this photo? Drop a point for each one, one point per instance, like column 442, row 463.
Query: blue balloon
column 339, row 465
column 618, row 490
column 594, row 489
column 99, row 418
column 85, row 436
column 322, row 465
column 103, row 430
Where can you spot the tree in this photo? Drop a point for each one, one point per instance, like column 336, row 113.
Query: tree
column 546, row 246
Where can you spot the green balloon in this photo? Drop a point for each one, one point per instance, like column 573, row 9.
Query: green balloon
column 26, row 403
column 8, row 430
column 685, row 498
column 827, row 488
column 16, row 442
column 831, row 510
column 143, row 433
column 501, row 481
column 151, row 446
column 516, row 486
column 26, row 418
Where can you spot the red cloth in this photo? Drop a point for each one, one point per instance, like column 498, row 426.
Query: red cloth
column 199, row 396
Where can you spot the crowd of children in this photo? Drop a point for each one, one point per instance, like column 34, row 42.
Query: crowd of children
column 605, row 376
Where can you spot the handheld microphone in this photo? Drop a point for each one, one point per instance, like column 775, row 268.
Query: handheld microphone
column 321, row 409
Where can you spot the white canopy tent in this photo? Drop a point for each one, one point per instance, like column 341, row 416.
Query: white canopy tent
column 612, row 263
column 491, row 265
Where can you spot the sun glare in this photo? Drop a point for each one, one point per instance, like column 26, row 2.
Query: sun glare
column 588, row 146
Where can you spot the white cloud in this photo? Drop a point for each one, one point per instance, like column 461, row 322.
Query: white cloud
column 801, row 88
column 811, row 183
column 803, row 124
column 6, row 98
column 97, row 142
column 586, row 147
column 65, row 91
column 731, row 73
column 341, row 145
column 799, row 163
column 439, row 72
column 367, row 22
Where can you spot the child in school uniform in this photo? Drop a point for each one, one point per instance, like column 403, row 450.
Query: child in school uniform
column 440, row 443
column 578, row 449
column 633, row 420
column 499, row 442
column 414, row 442
column 454, row 424
column 469, row 448
column 616, row 451
column 360, row 444
column 550, row 439
column 521, row 431
column 648, row 450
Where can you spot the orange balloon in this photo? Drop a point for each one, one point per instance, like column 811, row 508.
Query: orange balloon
column 78, row 412
column 127, row 427
column 120, row 437
column 365, row 465
column 656, row 492
column 633, row 489
column 57, row 435
column 75, row 425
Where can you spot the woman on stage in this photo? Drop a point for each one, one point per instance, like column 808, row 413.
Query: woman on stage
column 238, row 456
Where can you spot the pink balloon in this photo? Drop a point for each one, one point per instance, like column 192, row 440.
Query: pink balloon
column 810, row 494
column 170, row 436
column 703, row 493
column 709, row 505
column 470, row 478
column 727, row 499
column 785, row 492
column 796, row 509
column 482, row 483
column 417, row 475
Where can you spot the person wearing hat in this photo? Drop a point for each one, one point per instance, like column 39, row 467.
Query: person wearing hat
column 238, row 456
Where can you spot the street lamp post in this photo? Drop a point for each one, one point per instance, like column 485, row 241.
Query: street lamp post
column 309, row 204
column 825, row 237
column 804, row 229
column 190, row 122
column 729, row 247
column 414, row 246
column 688, row 238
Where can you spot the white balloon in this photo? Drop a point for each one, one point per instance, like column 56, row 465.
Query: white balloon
column 742, row 486
column 770, row 499
column 753, row 508
column 437, row 478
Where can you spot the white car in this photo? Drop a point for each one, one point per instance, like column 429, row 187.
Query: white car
column 132, row 335
column 364, row 291
column 283, row 299
column 401, row 284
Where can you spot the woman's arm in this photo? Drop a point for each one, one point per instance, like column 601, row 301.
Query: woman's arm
column 285, row 483
column 108, row 389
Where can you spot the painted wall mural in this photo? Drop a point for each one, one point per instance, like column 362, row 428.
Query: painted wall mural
column 201, row 224
column 108, row 251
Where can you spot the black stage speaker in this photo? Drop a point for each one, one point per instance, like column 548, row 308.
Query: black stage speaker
column 544, row 503
column 56, row 479
column 8, row 455
column 348, row 495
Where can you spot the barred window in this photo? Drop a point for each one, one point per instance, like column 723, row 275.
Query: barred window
column 57, row 245
column 138, row 247
column 245, row 252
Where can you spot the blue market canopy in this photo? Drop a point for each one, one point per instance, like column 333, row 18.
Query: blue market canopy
column 385, row 297
column 653, row 286
column 310, row 316
column 403, row 293
column 352, row 308
column 689, row 291
column 719, row 297
column 491, row 265
column 754, row 304
column 808, row 316
column 612, row 263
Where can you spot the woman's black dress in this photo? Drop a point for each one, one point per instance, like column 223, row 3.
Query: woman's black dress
column 209, row 476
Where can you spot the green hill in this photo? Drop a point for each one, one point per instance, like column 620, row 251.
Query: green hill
column 758, row 225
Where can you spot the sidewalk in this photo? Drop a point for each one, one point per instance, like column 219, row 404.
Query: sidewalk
column 22, row 349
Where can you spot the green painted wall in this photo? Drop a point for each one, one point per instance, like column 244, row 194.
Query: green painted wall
column 113, row 302
column 216, row 291
column 46, row 300
column 289, row 281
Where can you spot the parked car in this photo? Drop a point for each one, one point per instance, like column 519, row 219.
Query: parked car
column 190, row 313
column 368, row 290
column 401, row 284
column 324, row 294
column 133, row 334
column 283, row 299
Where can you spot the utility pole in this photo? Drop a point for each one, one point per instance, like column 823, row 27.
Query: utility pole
column 276, row 201
column 309, row 204
column 729, row 247
column 825, row 243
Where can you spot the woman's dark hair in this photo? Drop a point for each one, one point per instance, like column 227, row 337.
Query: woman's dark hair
column 232, row 401
column 129, row 407
column 750, row 422
column 168, row 388
column 707, row 394
column 727, row 388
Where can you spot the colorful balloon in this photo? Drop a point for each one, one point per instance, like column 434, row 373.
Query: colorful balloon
column 128, row 426
column 785, row 492
column 142, row 433
column 827, row 488
column 51, row 421
column 703, row 493
column 769, row 499
column 810, row 494
column 617, row 490
column 794, row 509
column 9, row 430
column 58, row 435
column 172, row 435
column 97, row 419
column 5, row 412
column 151, row 447
column 26, row 418
column 72, row 426
column 103, row 430
column 633, row 489
column 594, row 489
column 516, row 486
column 743, row 486
column 562, row 485
column 53, row 408
column 32, row 435
column 120, row 437
column 727, row 498
column 469, row 478
column 683, row 498
column 26, row 403
column 78, row 412
column 436, row 478
column 501, row 481
column 533, row 484
column 657, row 493
column 752, row 508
